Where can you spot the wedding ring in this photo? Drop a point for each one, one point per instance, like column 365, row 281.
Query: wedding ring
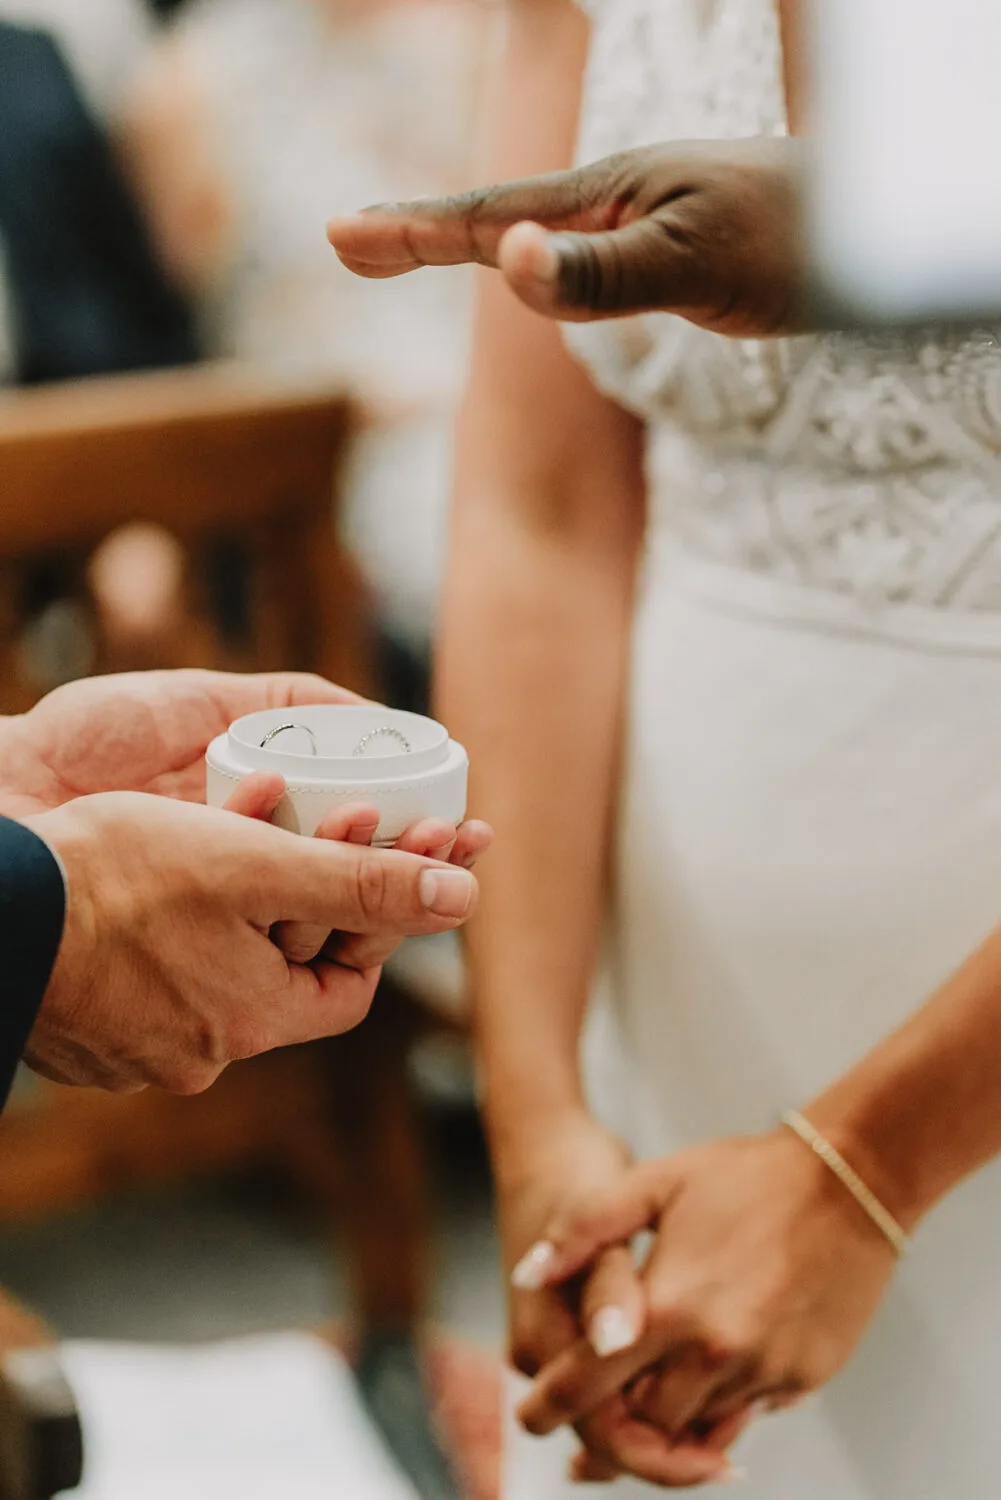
column 283, row 728
column 375, row 734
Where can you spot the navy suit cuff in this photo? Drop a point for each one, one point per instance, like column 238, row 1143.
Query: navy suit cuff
column 32, row 914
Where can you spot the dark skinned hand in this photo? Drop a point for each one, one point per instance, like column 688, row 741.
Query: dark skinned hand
column 710, row 230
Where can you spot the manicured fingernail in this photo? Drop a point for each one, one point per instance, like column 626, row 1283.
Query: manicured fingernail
column 611, row 1330
column 532, row 1271
column 448, row 893
column 731, row 1475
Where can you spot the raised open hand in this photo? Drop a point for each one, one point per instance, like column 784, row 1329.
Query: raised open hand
column 706, row 229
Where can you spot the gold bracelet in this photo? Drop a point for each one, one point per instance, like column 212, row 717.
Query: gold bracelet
column 849, row 1178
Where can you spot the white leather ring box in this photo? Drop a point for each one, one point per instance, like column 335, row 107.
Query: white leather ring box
column 341, row 754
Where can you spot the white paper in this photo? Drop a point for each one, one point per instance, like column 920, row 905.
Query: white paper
column 276, row 1417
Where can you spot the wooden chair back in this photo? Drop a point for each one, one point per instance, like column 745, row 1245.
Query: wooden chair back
column 205, row 453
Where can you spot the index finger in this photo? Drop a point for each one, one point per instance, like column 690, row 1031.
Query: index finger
column 390, row 239
column 239, row 693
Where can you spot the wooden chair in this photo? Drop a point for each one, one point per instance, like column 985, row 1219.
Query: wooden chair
column 210, row 453
column 41, row 1441
column 207, row 453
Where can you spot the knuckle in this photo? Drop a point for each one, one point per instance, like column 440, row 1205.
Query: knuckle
column 578, row 1221
column 573, row 1224
column 301, row 945
column 627, row 173
column 772, row 1375
column 294, row 953
column 371, row 888
column 366, row 957
column 479, row 210
column 112, row 1084
column 355, row 1002
column 601, row 1444
column 563, row 1396
column 591, row 192
column 525, row 1357
column 814, row 1367
column 245, row 1038
column 471, row 201
column 729, row 1341
column 665, row 1318
column 189, row 1079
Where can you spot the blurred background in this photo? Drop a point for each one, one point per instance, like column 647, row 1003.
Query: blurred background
column 218, row 449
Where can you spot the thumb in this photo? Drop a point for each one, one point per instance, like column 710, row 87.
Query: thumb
column 352, row 888
column 641, row 267
column 607, row 1219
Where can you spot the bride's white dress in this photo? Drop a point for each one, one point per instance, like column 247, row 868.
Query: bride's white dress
column 811, row 823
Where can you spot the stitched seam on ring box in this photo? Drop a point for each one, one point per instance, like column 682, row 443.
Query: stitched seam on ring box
column 312, row 791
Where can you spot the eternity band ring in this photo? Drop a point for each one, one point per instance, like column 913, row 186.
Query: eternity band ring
column 380, row 733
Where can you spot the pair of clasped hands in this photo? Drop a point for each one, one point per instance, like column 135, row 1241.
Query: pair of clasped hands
column 763, row 1273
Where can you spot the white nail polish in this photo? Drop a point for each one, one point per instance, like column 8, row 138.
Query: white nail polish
column 532, row 1271
column 610, row 1331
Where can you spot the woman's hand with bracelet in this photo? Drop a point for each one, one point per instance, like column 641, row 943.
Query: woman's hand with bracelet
column 763, row 1276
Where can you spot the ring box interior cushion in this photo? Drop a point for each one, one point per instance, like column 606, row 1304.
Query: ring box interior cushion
column 342, row 754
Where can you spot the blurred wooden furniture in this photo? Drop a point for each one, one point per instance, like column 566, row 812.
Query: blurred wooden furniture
column 212, row 453
column 41, row 1442
column 62, row 1148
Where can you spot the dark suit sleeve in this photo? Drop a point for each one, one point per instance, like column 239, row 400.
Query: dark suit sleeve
column 32, row 912
column 88, row 291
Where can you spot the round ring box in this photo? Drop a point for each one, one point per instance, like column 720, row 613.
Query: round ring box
column 341, row 754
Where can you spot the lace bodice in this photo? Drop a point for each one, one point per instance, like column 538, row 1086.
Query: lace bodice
column 868, row 465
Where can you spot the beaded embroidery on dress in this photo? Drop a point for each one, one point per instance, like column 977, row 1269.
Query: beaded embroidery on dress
column 870, row 466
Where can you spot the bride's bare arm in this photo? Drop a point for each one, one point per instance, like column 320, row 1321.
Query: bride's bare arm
column 547, row 525
column 920, row 1112
column 547, row 522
